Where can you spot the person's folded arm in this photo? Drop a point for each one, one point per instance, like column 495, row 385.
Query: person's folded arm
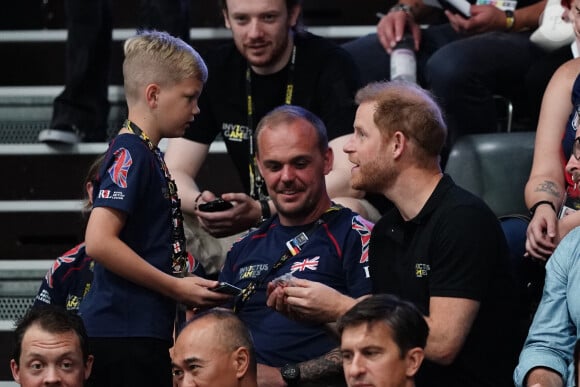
column 552, row 335
column 323, row 370
column 544, row 377
column 184, row 159
column 450, row 320
column 546, row 182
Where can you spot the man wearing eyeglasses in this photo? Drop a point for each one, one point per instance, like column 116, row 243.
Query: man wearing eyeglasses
column 547, row 357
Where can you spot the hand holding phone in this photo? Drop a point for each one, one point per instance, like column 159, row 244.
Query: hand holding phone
column 461, row 7
column 226, row 288
column 215, row 206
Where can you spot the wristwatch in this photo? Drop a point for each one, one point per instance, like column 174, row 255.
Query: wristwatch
column 291, row 374
column 402, row 7
column 266, row 213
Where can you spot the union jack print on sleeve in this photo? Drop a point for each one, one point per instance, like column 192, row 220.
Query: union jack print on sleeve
column 120, row 168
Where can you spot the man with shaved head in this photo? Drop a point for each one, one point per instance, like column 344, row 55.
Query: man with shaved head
column 214, row 349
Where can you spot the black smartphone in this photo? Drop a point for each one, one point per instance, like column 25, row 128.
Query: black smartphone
column 461, row 7
column 215, row 206
column 227, row 288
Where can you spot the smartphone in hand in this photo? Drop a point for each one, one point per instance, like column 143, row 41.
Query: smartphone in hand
column 461, row 7
column 215, row 206
column 226, row 288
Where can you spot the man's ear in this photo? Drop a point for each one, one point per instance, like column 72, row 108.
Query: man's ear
column 15, row 371
column 328, row 160
column 89, row 366
column 398, row 144
column 293, row 15
column 241, row 358
column 413, row 360
column 226, row 19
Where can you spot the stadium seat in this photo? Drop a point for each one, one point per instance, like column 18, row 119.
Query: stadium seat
column 495, row 167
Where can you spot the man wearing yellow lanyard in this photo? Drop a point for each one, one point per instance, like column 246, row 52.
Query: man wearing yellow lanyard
column 269, row 63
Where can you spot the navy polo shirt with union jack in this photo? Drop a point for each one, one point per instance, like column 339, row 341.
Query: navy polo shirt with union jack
column 336, row 254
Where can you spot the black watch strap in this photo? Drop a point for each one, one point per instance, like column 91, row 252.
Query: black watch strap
column 291, row 374
column 266, row 213
column 537, row 204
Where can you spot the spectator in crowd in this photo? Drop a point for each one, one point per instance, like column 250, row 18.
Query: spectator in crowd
column 441, row 248
column 270, row 62
column 547, row 359
column 463, row 61
column 310, row 237
column 215, row 348
column 70, row 276
column 542, row 70
column 135, row 232
column 551, row 192
column 382, row 342
column 81, row 111
column 51, row 349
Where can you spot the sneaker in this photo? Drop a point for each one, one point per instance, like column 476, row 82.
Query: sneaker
column 60, row 135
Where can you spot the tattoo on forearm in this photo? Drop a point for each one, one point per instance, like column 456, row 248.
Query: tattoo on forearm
column 324, row 368
column 548, row 187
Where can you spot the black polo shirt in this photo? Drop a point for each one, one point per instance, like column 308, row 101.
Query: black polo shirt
column 325, row 80
column 454, row 247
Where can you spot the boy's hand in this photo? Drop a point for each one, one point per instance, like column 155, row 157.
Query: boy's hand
column 194, row 292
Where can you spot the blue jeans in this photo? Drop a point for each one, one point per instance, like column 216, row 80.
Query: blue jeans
column 463, row 72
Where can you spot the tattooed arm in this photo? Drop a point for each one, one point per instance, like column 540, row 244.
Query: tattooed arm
column 546, row 182
column 543, row 231
column 325, row 370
